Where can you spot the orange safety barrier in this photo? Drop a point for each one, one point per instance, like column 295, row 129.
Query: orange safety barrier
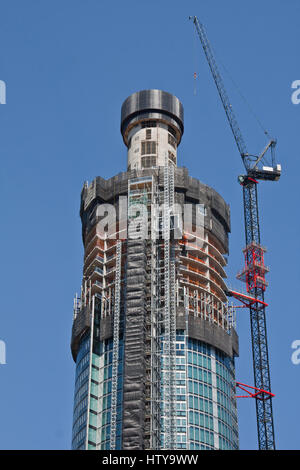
column 195, row 258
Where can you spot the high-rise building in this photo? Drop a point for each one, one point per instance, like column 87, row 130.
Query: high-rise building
column 153, row 336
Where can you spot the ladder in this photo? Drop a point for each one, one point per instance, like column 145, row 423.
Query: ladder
column 115, row 358
column 169, row 318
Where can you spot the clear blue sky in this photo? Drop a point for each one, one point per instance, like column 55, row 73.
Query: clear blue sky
column 68, row 66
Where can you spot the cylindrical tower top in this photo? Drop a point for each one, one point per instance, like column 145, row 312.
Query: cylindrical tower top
column 155, row 105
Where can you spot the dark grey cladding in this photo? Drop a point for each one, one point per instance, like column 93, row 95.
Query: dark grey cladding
column 209, row 333
column 188, row 190
column 81, row 324
column 198, row 329
column 134, row 347
column 152, row 104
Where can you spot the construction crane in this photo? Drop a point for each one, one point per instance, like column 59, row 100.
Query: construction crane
column 254, row 271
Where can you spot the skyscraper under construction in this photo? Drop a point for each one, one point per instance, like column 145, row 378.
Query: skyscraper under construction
column 153, row 337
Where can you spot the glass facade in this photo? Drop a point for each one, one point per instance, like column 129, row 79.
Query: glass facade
column 205, row 404
column 206, row 415
column 105, row 395
column 81, row 394
column 93, row 383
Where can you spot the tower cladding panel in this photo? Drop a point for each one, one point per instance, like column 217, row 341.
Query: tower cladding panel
column 153, row 339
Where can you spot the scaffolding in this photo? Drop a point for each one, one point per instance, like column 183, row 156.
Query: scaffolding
column 143, row 195
column 169, row 317
column 155, row 373
column 135, row 327
column 116, row 334
column 186, row 337
column 203, row 305
column 76, row 306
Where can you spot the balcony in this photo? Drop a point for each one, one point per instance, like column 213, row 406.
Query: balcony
column 97, row 286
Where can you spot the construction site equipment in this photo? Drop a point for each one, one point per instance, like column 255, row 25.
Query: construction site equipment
column 254, row 271
column 169, row 319
column 254, row 392
column 115, row 361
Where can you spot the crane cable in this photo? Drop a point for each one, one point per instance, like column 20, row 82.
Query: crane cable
column 254, row 114
column 195, row 62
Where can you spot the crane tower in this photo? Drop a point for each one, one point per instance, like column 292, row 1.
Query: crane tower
column 254, row 270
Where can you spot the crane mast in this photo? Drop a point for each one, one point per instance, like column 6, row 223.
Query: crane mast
column 254, row 271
